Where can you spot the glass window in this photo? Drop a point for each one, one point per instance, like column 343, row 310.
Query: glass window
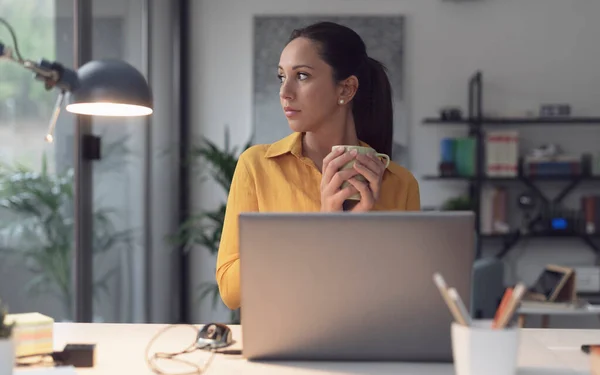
column 36, row 198
column 36, row 178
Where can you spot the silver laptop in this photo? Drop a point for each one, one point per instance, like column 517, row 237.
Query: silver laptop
column 351, row 286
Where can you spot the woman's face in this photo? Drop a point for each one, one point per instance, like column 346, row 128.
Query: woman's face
column 308, row 94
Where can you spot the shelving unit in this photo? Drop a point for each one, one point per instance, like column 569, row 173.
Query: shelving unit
column 476, row 122
column 594, row 121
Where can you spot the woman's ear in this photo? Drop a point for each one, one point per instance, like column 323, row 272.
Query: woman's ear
column 348, row 89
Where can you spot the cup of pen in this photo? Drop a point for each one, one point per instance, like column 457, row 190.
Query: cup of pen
column 481, row 349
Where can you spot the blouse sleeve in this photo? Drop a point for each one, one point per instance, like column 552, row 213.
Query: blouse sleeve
column 413, row 200
column 242, row 198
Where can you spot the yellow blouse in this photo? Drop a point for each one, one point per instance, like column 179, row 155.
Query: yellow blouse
column 277, row 178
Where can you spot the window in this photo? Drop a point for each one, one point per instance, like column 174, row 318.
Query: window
column 36, row 178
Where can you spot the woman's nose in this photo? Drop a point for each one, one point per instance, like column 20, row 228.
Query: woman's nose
column 286, row 92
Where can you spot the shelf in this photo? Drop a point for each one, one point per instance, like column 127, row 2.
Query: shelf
column 446, row 122
column 518, row 178
column 543, row 121
column 476, row 122
column 591, row 297
column 512, row 238
column 539, row 235
column 433, row 177
column 518, row 121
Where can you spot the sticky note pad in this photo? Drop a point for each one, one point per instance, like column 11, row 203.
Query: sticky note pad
column 32, row 333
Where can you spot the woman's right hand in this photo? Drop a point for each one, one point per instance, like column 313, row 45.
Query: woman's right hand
column 332, row 197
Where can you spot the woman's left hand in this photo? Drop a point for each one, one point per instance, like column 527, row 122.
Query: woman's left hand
column 372, row 168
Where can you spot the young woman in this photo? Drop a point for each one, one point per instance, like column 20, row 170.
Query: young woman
column 332, row 93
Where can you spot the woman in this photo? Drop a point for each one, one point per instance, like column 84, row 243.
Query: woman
column 332, row 93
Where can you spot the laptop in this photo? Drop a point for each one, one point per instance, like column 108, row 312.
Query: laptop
column 351, row 286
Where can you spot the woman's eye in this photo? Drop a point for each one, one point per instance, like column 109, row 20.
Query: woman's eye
column 301, row 77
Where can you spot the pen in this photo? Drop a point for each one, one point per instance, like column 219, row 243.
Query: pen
column 462, row 309
column 441, row 285
column 507, row 314
column 502, row 307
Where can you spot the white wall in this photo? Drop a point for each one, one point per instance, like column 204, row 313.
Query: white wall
column 530, row 52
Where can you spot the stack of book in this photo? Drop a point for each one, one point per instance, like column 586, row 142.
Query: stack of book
column 494, row 211
column 560, row 165
column 590, row 209
column 502, row 153
column 458, row 157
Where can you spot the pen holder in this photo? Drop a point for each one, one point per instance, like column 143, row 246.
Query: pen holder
column 480, row 349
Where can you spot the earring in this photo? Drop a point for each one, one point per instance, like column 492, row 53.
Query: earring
column 341, row 101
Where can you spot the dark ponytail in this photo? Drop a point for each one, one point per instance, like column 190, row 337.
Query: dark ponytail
column 345, row 51
column 373, row 110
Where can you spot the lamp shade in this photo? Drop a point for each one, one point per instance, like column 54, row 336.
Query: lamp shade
column 110, row 88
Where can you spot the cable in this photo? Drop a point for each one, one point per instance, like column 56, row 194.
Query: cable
column 37, row 360
column 14, row 38
column 152, row 359
column 59, row 358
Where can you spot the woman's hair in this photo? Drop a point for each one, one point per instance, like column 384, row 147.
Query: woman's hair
column 345, row 51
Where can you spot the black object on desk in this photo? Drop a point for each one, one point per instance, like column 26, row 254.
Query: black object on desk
column 587, row 348
column 76, row 355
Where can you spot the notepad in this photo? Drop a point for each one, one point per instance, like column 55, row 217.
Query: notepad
column 32, row 333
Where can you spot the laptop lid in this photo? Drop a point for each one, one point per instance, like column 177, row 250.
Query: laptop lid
column 347, row 286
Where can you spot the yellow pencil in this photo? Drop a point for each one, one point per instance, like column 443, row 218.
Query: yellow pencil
column 441, row 285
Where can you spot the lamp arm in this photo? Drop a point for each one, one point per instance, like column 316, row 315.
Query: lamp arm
column 53, row 74
column 14, row 39
column 54, row 118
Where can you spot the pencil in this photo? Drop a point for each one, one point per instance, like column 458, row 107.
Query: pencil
column 502, row 307
column 453, row 293
column 516, row 297
column 441, row 285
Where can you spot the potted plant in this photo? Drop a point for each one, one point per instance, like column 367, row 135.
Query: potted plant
column 37, row 224
column 460, row 203
column 7, row 346
column 204, row 229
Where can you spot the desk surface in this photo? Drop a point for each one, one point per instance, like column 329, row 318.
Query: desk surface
column 121, row 350
column 541, row 310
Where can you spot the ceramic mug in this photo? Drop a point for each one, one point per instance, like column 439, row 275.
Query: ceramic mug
column 364, row 151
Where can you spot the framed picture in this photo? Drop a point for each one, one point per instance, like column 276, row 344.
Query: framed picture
column 555, row 284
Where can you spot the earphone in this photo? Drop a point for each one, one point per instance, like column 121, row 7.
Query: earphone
column 211, row 337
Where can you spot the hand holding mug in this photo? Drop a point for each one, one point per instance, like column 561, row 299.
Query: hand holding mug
column 334, row 183
column 370, row 167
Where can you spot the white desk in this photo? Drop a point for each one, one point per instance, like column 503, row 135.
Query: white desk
column 121, row 347
column 545, row 312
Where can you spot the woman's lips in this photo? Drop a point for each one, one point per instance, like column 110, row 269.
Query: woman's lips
column 290, row 112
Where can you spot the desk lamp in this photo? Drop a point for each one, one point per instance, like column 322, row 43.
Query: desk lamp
column 99, row 88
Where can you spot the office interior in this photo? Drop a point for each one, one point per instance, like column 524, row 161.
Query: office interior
column 531, row 58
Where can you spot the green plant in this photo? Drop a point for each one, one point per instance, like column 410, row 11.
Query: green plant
column 461, row 203
column 37, row 215
column 5, row 329
column 204, row 229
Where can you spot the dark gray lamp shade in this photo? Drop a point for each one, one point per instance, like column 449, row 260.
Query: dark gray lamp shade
column 110, row 88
